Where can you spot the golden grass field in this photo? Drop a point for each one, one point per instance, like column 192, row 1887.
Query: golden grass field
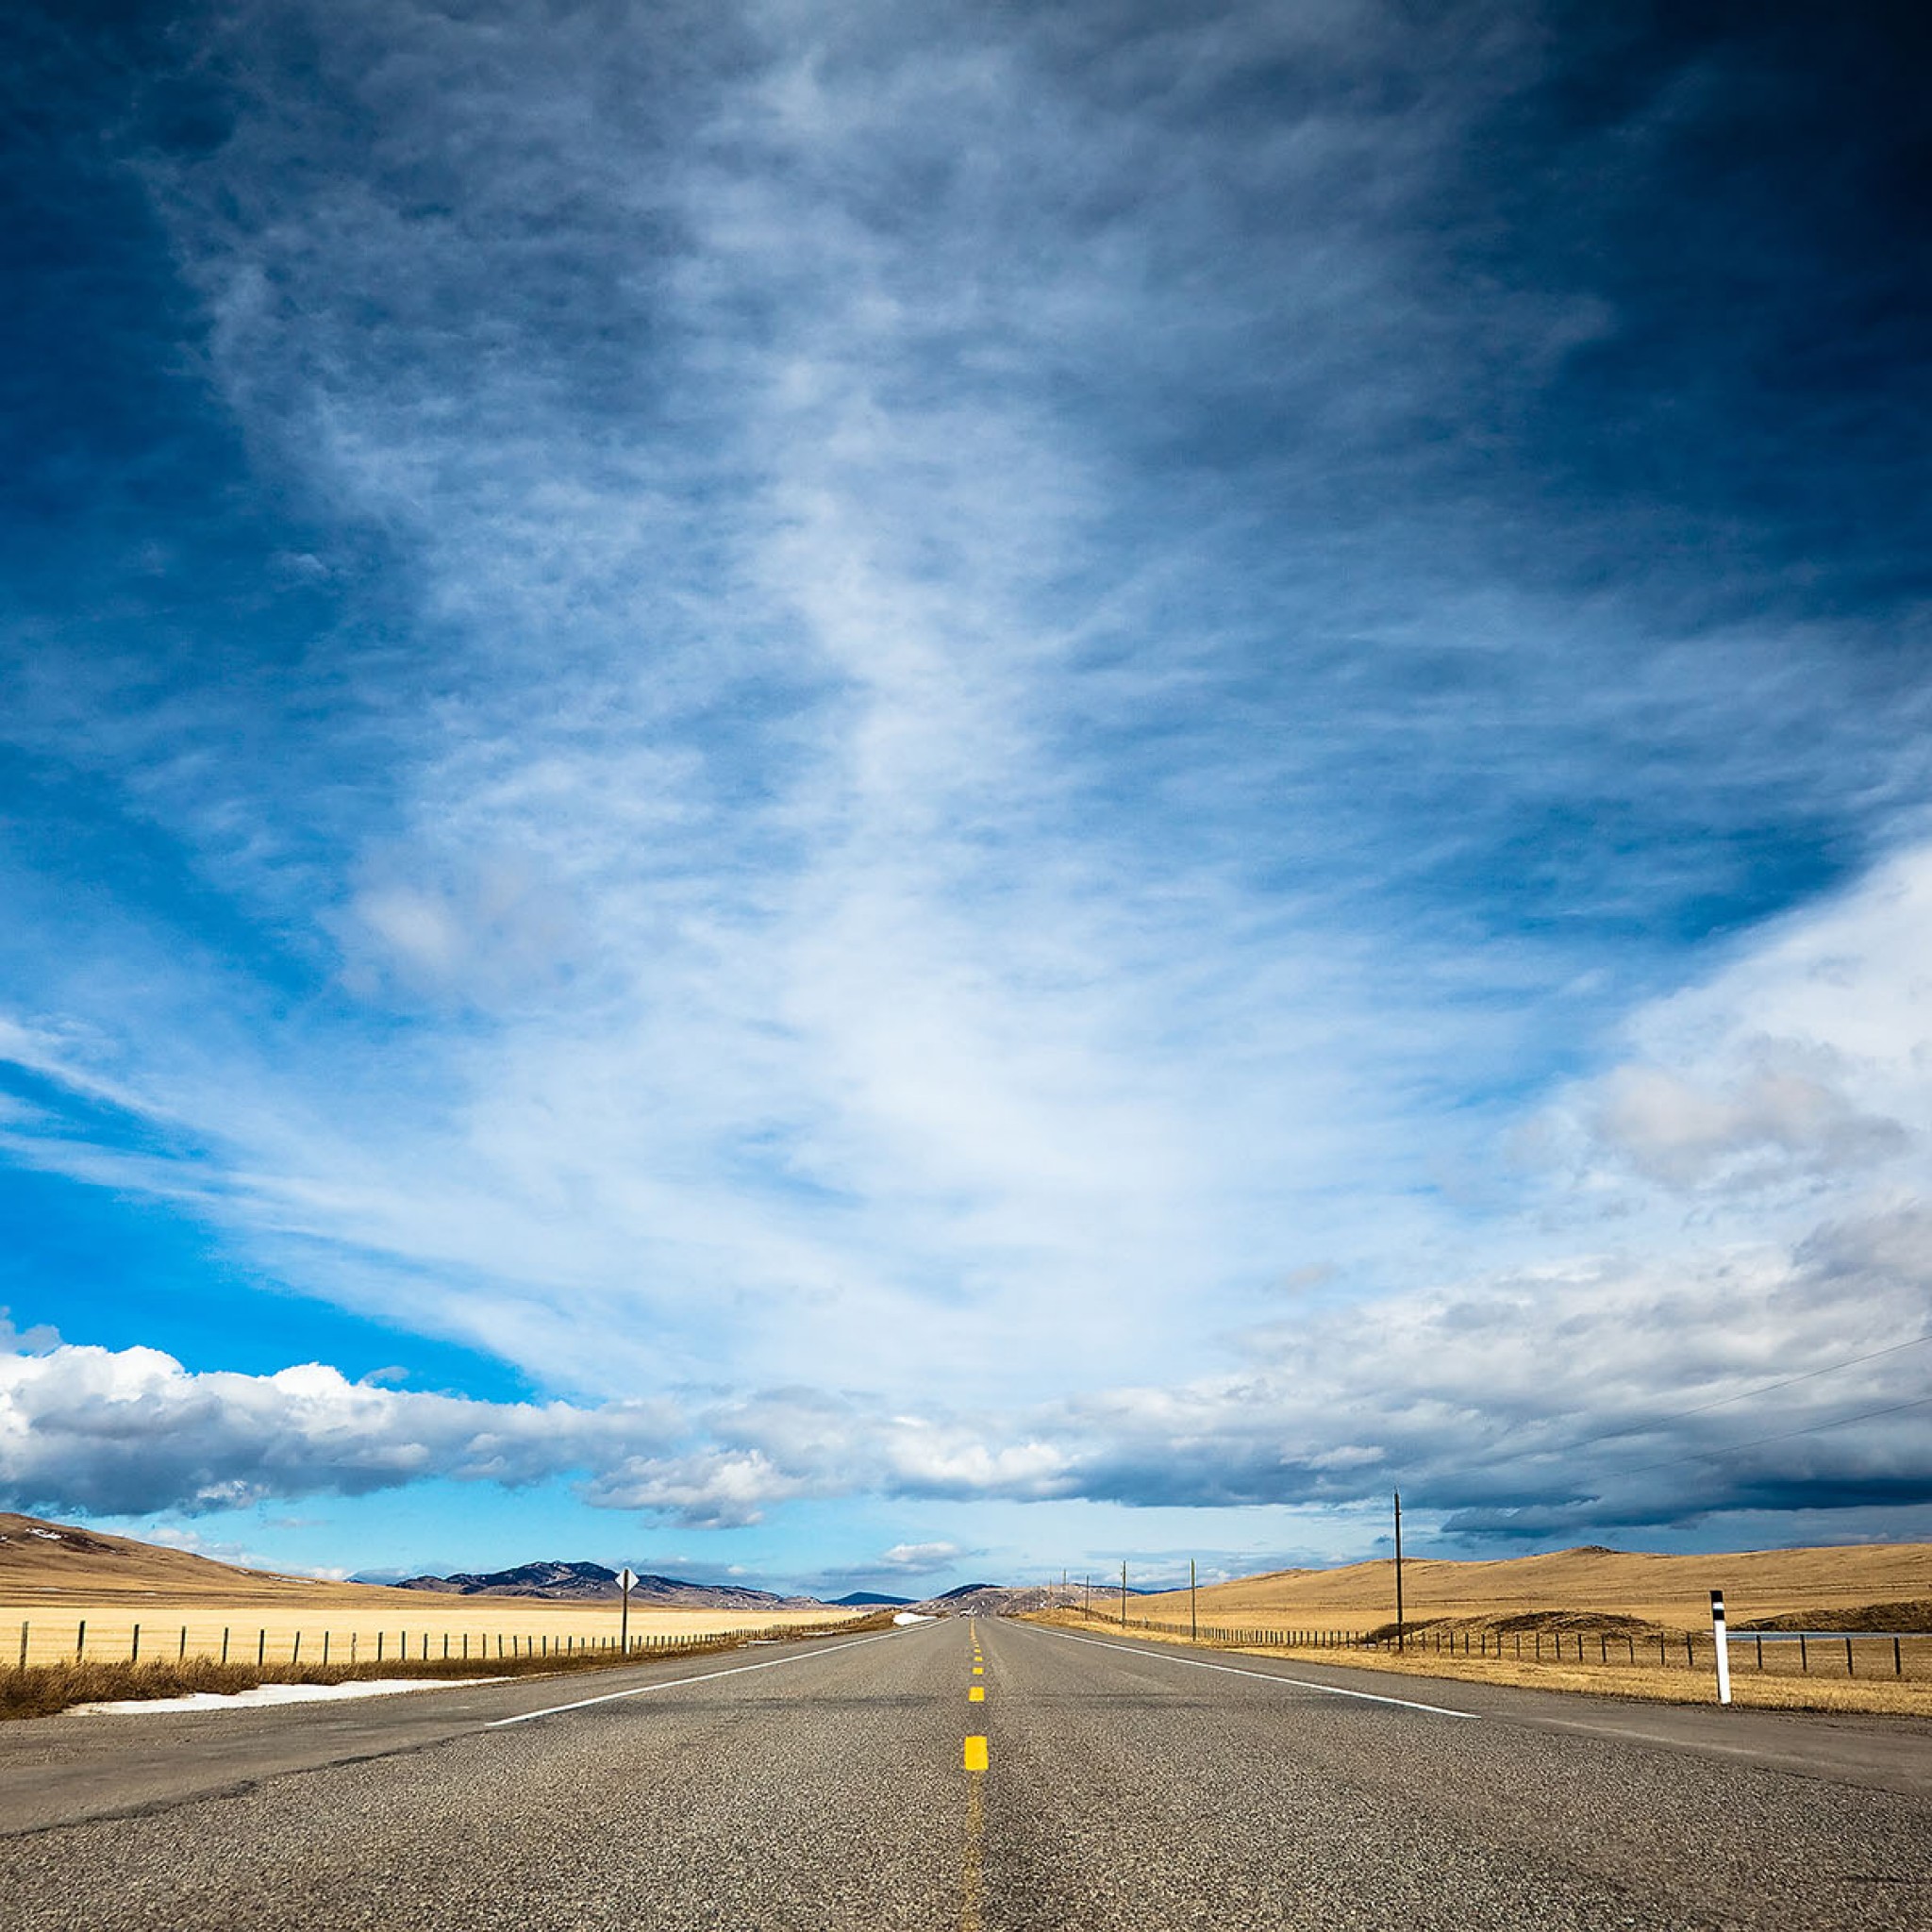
column 1627, row 1613
column 178, row 1626
column 51, row 1583
column 1671, row 1591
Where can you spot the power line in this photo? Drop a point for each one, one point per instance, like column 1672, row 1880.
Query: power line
column 1747, row 1394
column 1724, row 1402
column 1783, row 1436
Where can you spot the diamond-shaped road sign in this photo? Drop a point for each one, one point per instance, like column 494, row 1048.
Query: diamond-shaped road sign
column 626, row 1578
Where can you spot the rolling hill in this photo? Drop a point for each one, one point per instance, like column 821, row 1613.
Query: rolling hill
column 593, row 1583
column 1670, row 1590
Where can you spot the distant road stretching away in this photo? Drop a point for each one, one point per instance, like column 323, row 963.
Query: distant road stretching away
column 825, row 1785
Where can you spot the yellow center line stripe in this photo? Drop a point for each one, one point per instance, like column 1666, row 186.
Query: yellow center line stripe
column 976, row 1754
column 976, row 1695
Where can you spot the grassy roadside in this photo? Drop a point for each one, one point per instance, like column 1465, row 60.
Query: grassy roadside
column 45, row 1690
column 1644, row 1684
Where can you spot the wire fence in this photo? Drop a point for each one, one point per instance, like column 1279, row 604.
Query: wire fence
column 47, row 1641
column 1904, row 1654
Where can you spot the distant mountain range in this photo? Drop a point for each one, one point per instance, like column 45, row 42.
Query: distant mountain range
column 44, row 1562
column 593, row 1583
column 997, row 1600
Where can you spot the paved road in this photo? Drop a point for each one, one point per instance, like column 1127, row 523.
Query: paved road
column 814, row 1788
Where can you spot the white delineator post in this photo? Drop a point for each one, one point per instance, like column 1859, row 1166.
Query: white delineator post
column 1721, row 1642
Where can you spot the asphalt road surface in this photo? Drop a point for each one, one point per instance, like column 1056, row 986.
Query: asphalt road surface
column 814, row 1787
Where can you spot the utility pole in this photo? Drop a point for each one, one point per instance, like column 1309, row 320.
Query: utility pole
column 1401, row 1642
column 1123, row 1594
column 1194, row 1615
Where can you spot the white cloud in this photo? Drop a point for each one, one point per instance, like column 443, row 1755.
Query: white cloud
column 1804, row 1062
column 130, row 1431
column 918, row 1559
column 898, row 848
column 1681, row 1134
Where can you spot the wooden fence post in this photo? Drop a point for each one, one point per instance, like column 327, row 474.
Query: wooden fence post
column 23, row 1646
column 80, row 1642
column 134, row 1648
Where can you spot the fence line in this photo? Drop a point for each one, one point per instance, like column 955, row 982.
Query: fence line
column 1620, row 1647
column 564, row 1646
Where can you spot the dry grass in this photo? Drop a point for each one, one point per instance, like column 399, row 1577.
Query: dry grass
column 1671, row 1591
column 55, row 1576
column 42, row 1689
column 1614, row 1599
column 1781, row 1686
column 282, row 1632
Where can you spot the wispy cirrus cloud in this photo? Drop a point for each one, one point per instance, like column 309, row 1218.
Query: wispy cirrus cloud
column 988, row 684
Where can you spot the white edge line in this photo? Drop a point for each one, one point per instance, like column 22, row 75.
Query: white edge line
column 773, row 1663
column 1270, row 1676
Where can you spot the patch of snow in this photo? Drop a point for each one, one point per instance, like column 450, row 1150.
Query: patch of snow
column 909, row 1617
column 270, row 1693
column 53, row 1536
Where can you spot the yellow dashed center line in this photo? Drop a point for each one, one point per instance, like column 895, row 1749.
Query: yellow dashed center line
column 971, row 1903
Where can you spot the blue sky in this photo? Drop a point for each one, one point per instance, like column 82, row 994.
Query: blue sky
column 848, row 792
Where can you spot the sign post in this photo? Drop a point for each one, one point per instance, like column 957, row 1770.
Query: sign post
column 1721, row 1644
column 1194, row 1615
column 626, row 1578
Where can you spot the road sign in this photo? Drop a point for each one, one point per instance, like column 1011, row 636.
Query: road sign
column 626, row 1579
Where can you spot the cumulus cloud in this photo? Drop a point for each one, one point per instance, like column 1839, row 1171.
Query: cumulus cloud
column 130, row 1431
column 917, row 1559
column 1673, row 1131
column 1806, row 1062
column 1606, row 1390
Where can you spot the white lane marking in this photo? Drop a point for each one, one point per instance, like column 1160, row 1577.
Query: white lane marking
column 1271, row 1677
column 773, row 1663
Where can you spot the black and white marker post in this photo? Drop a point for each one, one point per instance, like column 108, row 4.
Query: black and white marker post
column 1721, row 1644
column 626, row 1578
